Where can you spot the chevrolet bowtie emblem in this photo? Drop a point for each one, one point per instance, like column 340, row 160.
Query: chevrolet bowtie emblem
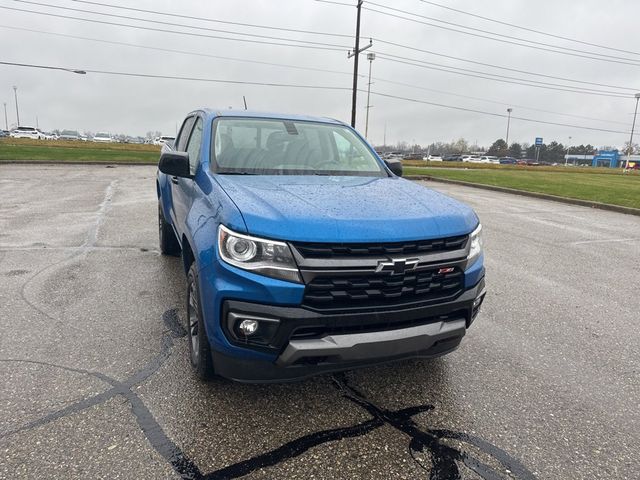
column 397, row 266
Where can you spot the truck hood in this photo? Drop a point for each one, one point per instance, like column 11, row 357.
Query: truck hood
column 344, row 209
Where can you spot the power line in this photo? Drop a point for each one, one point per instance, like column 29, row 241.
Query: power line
column 174, row 24
column 303, row 41
column 510, row 37
column 175, row 77
column 192, row 34
column 502, row 40
column 496, row 102
column 335, row 3
column 300, row 67
column 215, row 20
column 540, row 32
column 173, row 50
column 498, row 78
column 290, row 85
column 500, row 67
column 341, row 35
column 524, row 119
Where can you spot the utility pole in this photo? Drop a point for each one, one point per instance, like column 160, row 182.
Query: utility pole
column 371, row 57
column 384, row 141
column 509, row 110
column 355, row 54
column 15, row 94
column 6, row 121
column 633, row 126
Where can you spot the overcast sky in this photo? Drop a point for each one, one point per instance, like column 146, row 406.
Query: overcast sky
column 99, row 102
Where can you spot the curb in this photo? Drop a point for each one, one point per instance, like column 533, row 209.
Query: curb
column 524, row 193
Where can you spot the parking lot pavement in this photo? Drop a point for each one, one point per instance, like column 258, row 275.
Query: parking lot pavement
column 96, row 382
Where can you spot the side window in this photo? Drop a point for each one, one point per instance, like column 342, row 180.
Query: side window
column 181, row 141
column 193, row 147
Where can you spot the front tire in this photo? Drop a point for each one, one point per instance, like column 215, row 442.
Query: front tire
column 167, row 238
column 199, row 348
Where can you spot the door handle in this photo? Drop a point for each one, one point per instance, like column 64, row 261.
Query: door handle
column 174, row 180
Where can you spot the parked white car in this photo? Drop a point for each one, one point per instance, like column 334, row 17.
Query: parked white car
column 163, row 139
column 469, row 159
column 489, row 159
column 103, row 137
column 28, row 132
column 433, row 158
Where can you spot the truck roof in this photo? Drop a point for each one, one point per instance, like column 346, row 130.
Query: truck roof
column 219, row 112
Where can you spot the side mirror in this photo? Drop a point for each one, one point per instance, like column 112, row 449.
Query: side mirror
column 175, row 164
column 395, row 166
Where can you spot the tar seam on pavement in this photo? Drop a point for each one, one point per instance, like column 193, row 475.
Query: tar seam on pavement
column 445, row 459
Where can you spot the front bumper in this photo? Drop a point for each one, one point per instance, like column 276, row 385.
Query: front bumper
column 306, row 343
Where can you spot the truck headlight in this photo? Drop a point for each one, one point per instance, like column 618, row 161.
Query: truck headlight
column 262, row 256
column 476, row 243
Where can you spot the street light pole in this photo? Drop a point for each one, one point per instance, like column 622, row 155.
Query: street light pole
column 567, row 157
column 371, row 57
column 15, row 94
column 509, row 110
column 6, row 121
column 633, row 126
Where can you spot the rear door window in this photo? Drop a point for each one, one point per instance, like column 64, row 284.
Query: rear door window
column 193, row 146
column 183, row 136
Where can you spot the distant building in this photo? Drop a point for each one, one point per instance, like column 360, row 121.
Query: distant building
column 604, row 158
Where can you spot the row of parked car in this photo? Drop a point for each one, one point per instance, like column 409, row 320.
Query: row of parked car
column 101, row 137
column 37, row 134
column 475, row 159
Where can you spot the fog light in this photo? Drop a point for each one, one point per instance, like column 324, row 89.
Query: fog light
column 478, row 301
column 248, row 327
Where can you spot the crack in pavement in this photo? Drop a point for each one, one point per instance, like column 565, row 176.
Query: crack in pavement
column 445, row 460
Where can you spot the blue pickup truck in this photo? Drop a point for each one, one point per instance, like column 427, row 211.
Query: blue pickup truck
column 305, row 253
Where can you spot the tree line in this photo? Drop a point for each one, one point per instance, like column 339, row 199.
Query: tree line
column 553, row 152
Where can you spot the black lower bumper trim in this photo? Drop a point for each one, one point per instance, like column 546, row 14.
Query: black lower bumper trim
column 251, row 371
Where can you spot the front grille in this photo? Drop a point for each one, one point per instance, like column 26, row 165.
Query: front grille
column 327, row 250
column 376, row 290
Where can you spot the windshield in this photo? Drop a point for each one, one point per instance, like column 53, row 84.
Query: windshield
column 286, row 147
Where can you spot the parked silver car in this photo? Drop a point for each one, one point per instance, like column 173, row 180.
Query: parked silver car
column 69, row 135
column 103, row 137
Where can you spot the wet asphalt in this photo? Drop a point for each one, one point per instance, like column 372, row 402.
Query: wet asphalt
column 96, row 382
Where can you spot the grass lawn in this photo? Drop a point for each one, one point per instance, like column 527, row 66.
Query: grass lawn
column 59, row 151
column 605, row 187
